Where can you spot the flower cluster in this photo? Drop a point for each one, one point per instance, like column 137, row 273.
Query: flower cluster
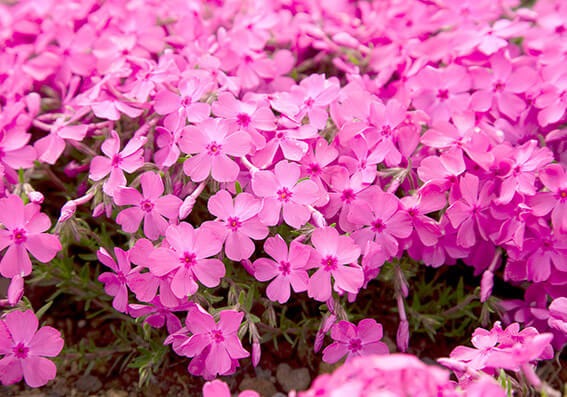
column 339, row 136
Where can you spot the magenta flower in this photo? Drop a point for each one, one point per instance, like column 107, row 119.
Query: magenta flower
column 150, row 206
column 116, row 161
column 187, row 257
column 354, row 341
column 469, row 212
column 555, row 200
column 287, row 268
column 51, row 147
column 115, row 284
column 387, row 223
column 335, row 256
column 315, row 93
column 239, row 224
column 191, row 90
column 212, row 142
column 283, row 190
column 159, row 315
column 221, row 337
column 24, row 226
column 25, row 347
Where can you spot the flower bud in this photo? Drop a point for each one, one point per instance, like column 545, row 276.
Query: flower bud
column 67, row 211
column 186, row 207
column 35, row 197
column 256, row 353
column 486, row 285
column 15, row 290
column 402, row 336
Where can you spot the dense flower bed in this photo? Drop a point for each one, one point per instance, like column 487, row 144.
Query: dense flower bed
column 224, row 159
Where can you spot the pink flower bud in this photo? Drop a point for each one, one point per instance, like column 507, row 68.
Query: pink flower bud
column 256, row 353
column 486, row 285
column 402, row 337
column 15, row 290
column 248, row 265
column 98, row 210
column 186, row 207
column 67, row 211
column 35, row 197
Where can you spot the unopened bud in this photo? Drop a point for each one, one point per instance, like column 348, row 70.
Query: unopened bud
column 67, row 211
column 402, row 337
column 35, row 197
column 15, row 290
column 186, row 207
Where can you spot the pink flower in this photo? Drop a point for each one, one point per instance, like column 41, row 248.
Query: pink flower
column 381, row 212
column 355, row 341
column 469, row 213
column 51, row 146
column 212, row 142
column 221, row 337
column 158, row 314
column 335, row 256
column 25, row 347
column 239, row 224
column 191, row 90
column 287, row 269
column 555, row 200
column 115, row 162
column 187, row 258
column 217, row 388
column 115, row 284
column 284, row 190
column 24, row 227
column 315, row 93
column 151, row 206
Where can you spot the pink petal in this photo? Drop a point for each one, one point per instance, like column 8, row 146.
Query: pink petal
column 265, row 269
column 152, row 185
column 305, row 192
column 198, row 167
column 224, row 169
column 130, row 219
column 43, row 246
column 278, row 290
column 349, row 278
column 168, row 206
column 220, row 205
column 22, row 326
column 229, row 321
column 38, row 371
column 100, row 167
column 238, row 246
column 46, row 342
column 15, row 261
column 334, row 352
column 264, row 183
column 127, row 196
column 320, row 285
column 209, row 272
column 12, row 212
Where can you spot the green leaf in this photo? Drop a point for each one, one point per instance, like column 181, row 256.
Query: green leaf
column 43, row 309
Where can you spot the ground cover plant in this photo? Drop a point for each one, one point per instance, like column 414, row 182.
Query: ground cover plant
column 193, row 192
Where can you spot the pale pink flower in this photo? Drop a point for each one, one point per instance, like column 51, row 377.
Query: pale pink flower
column 24, row 228
column 287, row 269
column 238, row 223
column 150, row 206
column 355, row 341
column 191, row 91
column 187, row 258
column 25, row 347
column 283, row 189
column 116, row 161
column 212, row 141
column 335, row 256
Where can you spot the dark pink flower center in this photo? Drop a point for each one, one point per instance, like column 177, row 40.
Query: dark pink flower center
column 214, row 149
column 443, row 94
column 560, row 29
column 386, row 130
column 233, row 223
column 146, row 205
column 309, row 102
column 186, row 101
column 329, row 263
column 243, row 120
column 562, row 194
column 216, row 336
column 284, row 194
column 19, row 236
column 499, row 86
column 378, row 225
column 188, row 259
column 116, row 160
column 21, row 351
column 284, row 268
column 355, row 345
column 412, row 212
column 314, row 169
column 348, row 195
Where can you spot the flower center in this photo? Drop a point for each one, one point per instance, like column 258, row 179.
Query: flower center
column 243, row 120
column 233, row 223
column 186, row 101
column 386, row 130
column 116, row 160
column 499, row 86
column 284, row 268
column 329, row 263
column 214, row 149
column 378, row 225
column 563, row 194
column 284, row 194
column 146, row 205
column 412, row 212
column 443, row 94
column 348, row 196
column 217, row 336
column 309, row 102
column 19, row 236
column 188, row 259
column 21, row 351
column 314, row 169
column 355, row 345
